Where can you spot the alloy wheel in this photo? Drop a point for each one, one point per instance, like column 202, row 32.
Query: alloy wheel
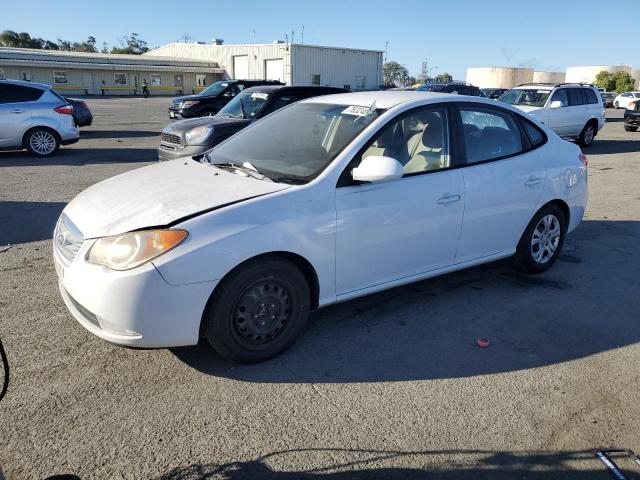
column 42, row 142
column 545, row 239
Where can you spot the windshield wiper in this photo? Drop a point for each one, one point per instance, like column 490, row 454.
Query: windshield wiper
column 245, row 168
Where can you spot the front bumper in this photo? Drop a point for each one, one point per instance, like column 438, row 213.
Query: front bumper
column 135, row 308
column 171, row 151
column 632, row 117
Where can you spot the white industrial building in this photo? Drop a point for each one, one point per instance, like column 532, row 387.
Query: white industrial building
column 499, row 77
column 291, row 63
column 587, row 74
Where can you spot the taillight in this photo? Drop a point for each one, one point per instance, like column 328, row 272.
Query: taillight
column 64, row 109
column 583, row 158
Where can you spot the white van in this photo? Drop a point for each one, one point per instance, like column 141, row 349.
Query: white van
column 572, row 110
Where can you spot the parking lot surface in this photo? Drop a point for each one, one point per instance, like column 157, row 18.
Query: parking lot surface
column 392, row 385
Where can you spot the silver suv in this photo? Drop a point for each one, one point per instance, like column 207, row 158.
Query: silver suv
column 34, row 117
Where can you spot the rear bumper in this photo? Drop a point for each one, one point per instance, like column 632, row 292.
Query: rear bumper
column 70, row 141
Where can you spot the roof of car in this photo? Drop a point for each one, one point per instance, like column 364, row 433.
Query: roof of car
column 290, row 88
column 383, row 99
column 26, row 83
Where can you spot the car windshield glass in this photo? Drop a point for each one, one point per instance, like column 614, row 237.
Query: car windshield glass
column 215, row 88
column 296, row 143
column 246, row 105
column 525, row 96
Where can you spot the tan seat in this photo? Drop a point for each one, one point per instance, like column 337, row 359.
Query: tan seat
column 426, row 152
column 383, row 145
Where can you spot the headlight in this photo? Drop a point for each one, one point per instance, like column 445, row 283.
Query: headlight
column 189, row 103
column 198, row 134
column 130, row 250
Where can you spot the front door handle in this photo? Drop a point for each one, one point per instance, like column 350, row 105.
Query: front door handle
column 448, row 198
column 533, row 181
column 17, row 110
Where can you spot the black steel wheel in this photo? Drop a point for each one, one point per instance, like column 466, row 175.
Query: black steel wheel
column 258, row 310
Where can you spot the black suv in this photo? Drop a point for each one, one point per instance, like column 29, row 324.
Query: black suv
column 453, row 87
column 212, row 99
column 197, row 135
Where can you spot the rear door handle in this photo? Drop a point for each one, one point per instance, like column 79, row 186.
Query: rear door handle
column 17, row 110
column 533, row 181
column 448, row 198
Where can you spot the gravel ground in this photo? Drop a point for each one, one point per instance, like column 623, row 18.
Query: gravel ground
column 387, row 386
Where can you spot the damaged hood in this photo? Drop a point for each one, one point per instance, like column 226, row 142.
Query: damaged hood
column 158, row 195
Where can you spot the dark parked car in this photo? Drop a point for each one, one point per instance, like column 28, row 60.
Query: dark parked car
column 81, row 113
column 493, row 93
column 212, row 99
column 197, row 135
column 608, row 98
column 632, row 116
column 453, row 87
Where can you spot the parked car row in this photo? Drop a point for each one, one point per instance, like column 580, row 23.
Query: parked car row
column 197, row 135
column 327, row 199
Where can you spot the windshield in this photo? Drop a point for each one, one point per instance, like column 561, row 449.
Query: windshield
column 531, row 97
column 246, row 105
column 296, row 143
column 214, row 88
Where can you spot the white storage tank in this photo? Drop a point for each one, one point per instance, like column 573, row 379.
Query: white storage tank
column 499, row 77
column 587, row 74
column 548, row 77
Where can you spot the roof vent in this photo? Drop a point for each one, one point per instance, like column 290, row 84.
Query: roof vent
column 278, row 41
column 217, row 41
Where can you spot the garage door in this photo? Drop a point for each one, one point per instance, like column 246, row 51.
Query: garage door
column 274, row 69
column 241, row 67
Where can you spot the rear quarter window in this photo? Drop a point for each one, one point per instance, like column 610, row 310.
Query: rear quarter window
column 535, row 136
column 18, row 94
column 591, row 96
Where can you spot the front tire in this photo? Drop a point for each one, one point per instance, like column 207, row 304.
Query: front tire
column 42, row 142
column 616, row 105
column 587, row 135
column 258, row 310
column 541, row 242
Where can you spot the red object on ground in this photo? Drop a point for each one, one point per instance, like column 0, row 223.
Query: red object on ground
column 483, row 342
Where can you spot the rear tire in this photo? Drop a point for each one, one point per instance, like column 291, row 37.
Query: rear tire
column 616, row 105
column 588, row 134
column 42, row 142
column 629, row 128
column 542, row 240
column 258, row 310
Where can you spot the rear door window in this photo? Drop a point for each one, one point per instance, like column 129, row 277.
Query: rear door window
column 19, row 93
column 591, row 96
column 489, row 134
column 575, row 97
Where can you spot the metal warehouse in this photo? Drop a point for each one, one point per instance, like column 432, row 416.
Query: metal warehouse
column 291, row 63
column 108, row 74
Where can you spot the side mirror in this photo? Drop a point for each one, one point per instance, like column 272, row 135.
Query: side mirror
column 556, row 104
column 378, row 169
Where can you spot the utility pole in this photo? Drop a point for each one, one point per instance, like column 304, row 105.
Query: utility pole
column 386, row 46
column 302, row 41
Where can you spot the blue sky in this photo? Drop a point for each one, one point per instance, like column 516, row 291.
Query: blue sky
column 544, row 34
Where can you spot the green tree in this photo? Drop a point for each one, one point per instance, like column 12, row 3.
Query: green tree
column 394, row 73
column 9, row 38
column 131, row 45
column 605, row 80
column 624, row 82
column 618, row 81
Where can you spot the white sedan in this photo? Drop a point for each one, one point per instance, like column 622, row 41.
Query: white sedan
column 624, row 99
column 323, row 201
